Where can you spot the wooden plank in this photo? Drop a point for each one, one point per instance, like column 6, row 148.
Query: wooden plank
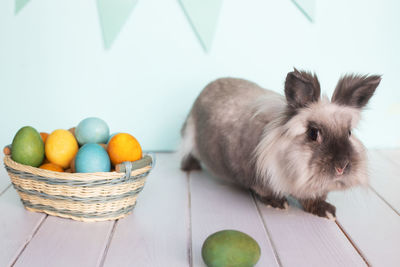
column 371, row 225
column 64, row 242
column 385, row 178
column 17, row 226
column 218, row 205
column 302, row 239
column 391, row 154
column 157, row 233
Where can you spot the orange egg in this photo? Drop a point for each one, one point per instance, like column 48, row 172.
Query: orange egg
column 124, row 147
column 44, row 136
column 52, row 167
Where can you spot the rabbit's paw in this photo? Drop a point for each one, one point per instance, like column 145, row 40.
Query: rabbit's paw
column 189, row 163
column 275, row 202
column 320, row 208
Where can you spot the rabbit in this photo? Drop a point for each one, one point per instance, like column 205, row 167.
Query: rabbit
column 298, row 145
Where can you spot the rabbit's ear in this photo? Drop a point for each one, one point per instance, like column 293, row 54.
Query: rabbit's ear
column 355, row 90
column 301, row 88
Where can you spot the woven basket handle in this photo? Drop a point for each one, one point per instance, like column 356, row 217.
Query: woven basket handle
column 138, row 164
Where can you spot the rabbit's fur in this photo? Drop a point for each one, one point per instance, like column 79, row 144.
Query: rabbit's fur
column 299, row 145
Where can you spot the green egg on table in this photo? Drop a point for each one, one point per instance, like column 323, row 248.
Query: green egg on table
column 230, row 248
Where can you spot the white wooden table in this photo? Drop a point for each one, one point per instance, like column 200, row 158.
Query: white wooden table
column 176, row 212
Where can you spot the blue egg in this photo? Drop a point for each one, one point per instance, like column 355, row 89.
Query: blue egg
column 92, row 130
column 111, row 136
column 92, row 158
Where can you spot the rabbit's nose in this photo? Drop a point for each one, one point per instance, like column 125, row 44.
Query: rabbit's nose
column 340, row 169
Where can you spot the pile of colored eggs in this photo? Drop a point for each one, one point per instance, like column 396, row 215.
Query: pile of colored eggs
column 87, row 148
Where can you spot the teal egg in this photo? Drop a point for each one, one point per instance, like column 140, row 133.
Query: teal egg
column 92, row 130
column 92, row 158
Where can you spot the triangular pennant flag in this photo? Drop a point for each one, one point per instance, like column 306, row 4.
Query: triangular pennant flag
column 19, row 4
column 203, row 16
column 307, row 7
column 113, row 15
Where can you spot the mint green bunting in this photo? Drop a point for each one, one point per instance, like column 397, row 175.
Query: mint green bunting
column 203, row 16
column 307, row 7
column 113, row 15
column 19, row 4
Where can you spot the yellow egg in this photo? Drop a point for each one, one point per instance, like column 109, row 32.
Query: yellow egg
column 61, row 147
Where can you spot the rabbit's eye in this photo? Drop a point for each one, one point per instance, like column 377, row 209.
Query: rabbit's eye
column 349, row 132
column 313, row 133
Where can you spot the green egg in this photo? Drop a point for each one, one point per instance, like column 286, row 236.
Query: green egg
column 230, row 248
column 27, row 147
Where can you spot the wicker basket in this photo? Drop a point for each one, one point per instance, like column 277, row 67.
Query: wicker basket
column 84, row 197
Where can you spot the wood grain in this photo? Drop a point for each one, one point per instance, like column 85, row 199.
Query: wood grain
column 371, row 224
column 17, row 226
column 218, row 205
column 391, row 154
column 303, row 239
column 157, row 232
column 64, row 242
column 385, row 178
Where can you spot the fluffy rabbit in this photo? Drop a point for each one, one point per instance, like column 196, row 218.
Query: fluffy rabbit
column 299, row 145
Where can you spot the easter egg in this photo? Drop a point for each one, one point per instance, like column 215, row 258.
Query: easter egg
column 72, row 130
column 44, row 136
column 92, row 130
column 61, row 147
column 230, row 248
column 72, row 165
column 51, row 167
column 124, row 147
column 27, row 147
column 92, row 158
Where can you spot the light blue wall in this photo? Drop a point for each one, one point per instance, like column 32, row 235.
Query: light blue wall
column 54, row 70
